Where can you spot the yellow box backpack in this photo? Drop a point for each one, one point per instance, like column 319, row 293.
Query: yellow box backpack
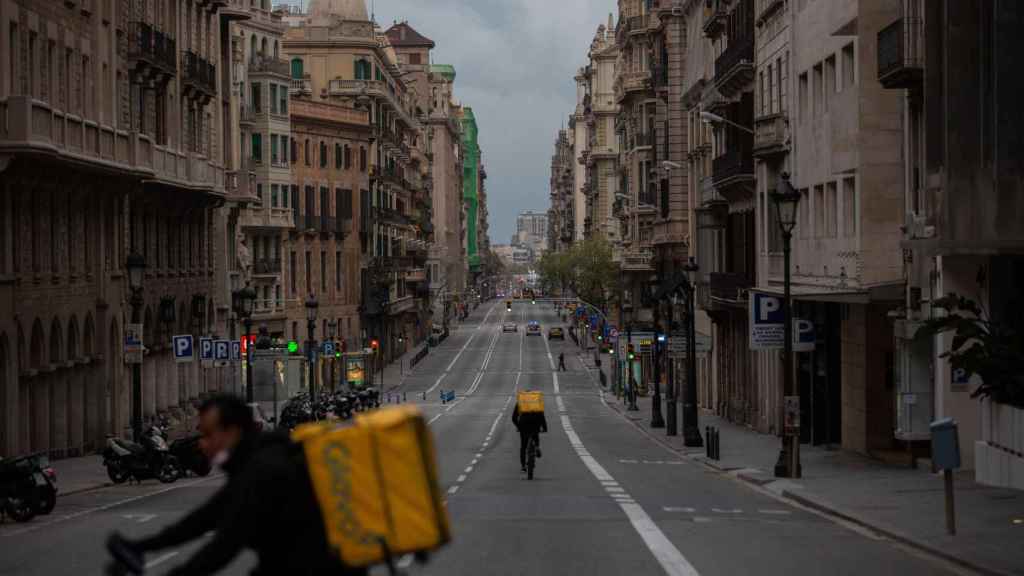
column 530, row 402
column 377, row 485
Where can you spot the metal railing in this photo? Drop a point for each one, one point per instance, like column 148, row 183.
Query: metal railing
column 901, row 53
column 199, row 73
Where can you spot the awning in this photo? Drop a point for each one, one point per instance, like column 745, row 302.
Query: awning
column 879, row 293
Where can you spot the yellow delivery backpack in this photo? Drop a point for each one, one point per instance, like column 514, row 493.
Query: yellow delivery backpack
column 530, row 401
column 377, row 486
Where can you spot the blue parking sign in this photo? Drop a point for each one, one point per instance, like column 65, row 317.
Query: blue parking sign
column 183, row 349
column 222, row 352
column 236, row 350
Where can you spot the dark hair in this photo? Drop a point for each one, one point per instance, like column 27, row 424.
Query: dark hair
column 232, row 412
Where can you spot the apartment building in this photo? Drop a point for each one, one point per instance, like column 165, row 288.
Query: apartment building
column 961, row 211
column 111, row 143
column 601, row 154
column 338, row 55
column 561, row 215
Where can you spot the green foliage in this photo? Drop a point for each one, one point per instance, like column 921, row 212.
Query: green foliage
column 586, row 270
column 992, row 350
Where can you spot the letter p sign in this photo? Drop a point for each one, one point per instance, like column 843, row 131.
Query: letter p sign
column 769, row 309
column 183, row 350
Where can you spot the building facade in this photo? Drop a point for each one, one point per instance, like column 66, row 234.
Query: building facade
column 112, row 142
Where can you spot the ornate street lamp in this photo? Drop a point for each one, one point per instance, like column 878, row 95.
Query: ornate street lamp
column 312, row 308
column 786, row 201
column 332, row 330
column 135, row 265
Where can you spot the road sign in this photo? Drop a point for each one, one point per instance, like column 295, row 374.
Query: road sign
column 236, row 351
column 677, row 345
column 184, row 351
column 768, row 326
column 206, row 352
column 328, row 348
column 221, row 353
column 133, row 344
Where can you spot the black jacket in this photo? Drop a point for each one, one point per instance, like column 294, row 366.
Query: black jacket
column 530, row 422
column 267, row 506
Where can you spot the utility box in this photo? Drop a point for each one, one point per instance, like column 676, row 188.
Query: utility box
column 945, row 444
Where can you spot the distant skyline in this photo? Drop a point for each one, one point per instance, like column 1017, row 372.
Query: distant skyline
column 515, row 61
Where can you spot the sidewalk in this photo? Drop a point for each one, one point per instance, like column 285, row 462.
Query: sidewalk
column 904, row 504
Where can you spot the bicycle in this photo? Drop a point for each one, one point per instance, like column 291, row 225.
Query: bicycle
column 531, row 456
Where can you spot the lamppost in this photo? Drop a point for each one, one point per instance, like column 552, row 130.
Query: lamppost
column 244, row 301
column 136, row 266
column 311, row 312
column 681, row 283
column 657, row 420
column 332, row 330
column 786, row 200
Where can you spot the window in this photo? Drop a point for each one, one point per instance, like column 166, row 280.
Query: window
column 343, row 206
column 764, row 93
column 309, row 272
column 30, row 68
column 323, row 154
column 257, row 97
column 273, row 98
column 337, row 157
column 348, row 157
column 803, row 96
column 818, row 87
column 783, row 83
column 294, row 199
column 310, row 202
column 337, row 270
column 850, row 207
column 257, row 147
column 273, row 195
column 295, row 151
column 273, row 149
column 297, row 72
column 13, row 54
column 415, row 59
column 323, row 271
column 278, row 303
column 831, row 210
column 804, row 221
column 282, row 104
column 362, row 70
column 259, row 191
column 830, row 81
column 284, row 150
column 849, row 66
column 362, row 159
column 307, row 152
column 819, row 211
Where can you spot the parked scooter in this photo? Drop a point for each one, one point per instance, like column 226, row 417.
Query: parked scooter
column 19, row 495
column 190, row 457
column 126, row 460
column 46, row 484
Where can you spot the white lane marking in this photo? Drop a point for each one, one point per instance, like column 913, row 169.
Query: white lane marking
column 453, row 489
column 701, row 519
column 40, row 525
column 406, row 561
column 560, row 403
column 462, row 478
column 468, row 469
column 158, row 561
column 450, row 365
column 724, row 511
column 685, row 510
column 140, row 518
column 611, row 489
column 554, row 378
column 776, row 512
column 431, row 421
column 664, row 551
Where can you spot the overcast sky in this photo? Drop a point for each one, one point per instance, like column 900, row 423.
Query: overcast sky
column 515, row 61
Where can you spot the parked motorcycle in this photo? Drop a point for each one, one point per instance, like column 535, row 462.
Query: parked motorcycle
column 19, row 493
column 126, row 460
column 46, row 484
column 190, row 457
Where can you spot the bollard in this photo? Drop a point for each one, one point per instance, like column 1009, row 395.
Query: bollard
column 405, row 397
column 707, row 447
column 424, row 395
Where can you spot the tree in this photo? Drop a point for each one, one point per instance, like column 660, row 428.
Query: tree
column 586, row 269
column 992, row 350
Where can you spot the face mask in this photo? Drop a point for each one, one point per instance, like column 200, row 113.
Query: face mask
column 221, row 458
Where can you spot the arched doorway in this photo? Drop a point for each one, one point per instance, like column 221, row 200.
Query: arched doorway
column 114, row 401
column 76, row 391
column 57, row 390
column 91, row 388
column 34, row 389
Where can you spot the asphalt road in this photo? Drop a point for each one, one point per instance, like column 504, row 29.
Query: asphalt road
column 605, row 500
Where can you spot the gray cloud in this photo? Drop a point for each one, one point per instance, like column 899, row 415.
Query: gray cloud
column 515, row 61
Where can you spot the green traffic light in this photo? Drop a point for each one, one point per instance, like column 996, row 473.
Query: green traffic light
column 293, row 346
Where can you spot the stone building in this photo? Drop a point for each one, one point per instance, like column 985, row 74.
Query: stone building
column 561, row 216
column 599, row 111
column 111, row 142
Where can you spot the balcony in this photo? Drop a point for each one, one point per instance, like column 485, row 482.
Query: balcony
column 659, row 77
column 638, row 261
column 729, row 288
column 402, row 305
column 734, row 69
column 733, row 172
column 631, row 82
column 416, row 275
column 377, row 89
column 266, row 65
column 199, row 77
column 301, row 86
column 901, row 54
column 266, row 218
column 152, row 52
column 266, row 268
column 714, row 18
column 771, row 138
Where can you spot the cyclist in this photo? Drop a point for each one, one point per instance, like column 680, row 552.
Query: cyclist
column 529, row 425
column 267, row 504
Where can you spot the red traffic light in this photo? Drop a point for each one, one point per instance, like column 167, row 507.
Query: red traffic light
column 375, row 344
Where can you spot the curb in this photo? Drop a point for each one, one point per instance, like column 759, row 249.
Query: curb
column 61, row 493
column 823, row 507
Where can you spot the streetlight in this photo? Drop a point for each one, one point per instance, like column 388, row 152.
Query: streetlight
column 786, row 201
column 657, row 420
column 332, row 330
column 136, row 266
column 244, row 301
column 311, row 312
column 712, row 118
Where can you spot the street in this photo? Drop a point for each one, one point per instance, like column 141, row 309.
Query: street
column 606, row 499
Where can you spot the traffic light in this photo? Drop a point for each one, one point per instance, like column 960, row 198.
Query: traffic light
column 533, row 301
column 631, row 353
column 508, row 306
column 375, row 345
column 293, row 346
column 337, row 349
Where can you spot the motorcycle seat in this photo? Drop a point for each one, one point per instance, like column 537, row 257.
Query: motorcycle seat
column 129, row 446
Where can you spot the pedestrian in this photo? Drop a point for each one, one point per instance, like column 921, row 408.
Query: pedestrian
column 267, row 504
column 561, row 361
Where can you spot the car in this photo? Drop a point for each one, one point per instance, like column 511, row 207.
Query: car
column 556, row 333
column 533, row 329
column 510, row 327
